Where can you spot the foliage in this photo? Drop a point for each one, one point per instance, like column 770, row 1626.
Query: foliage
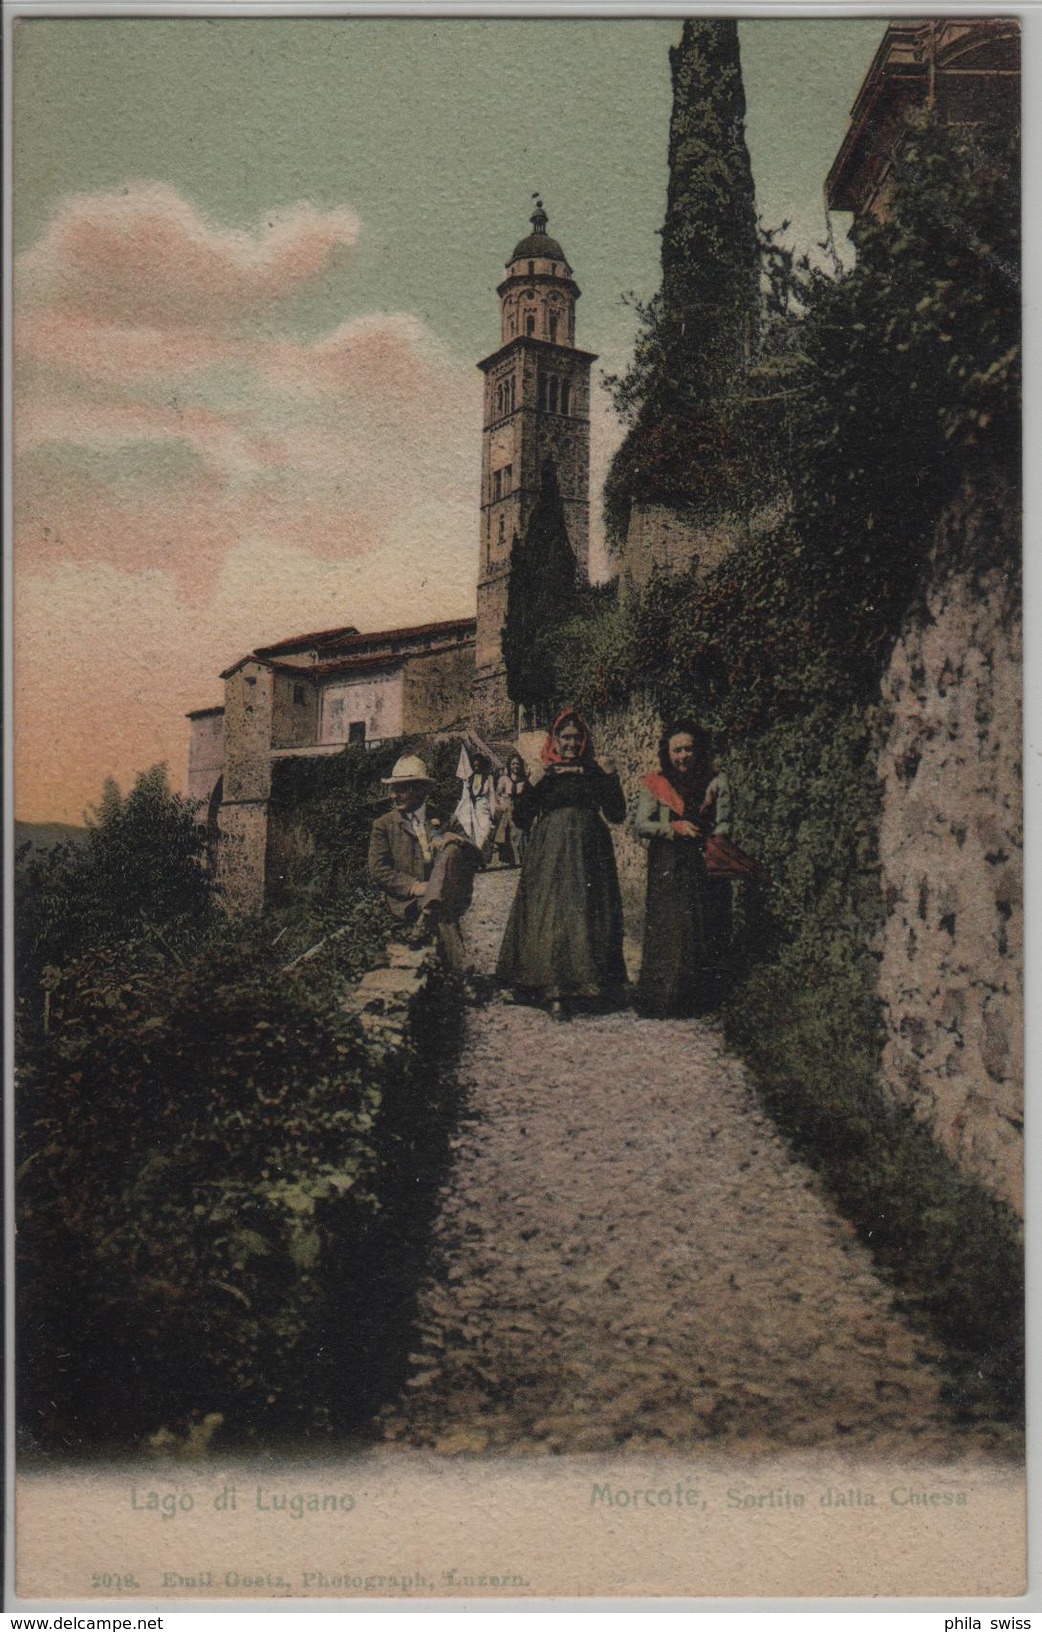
column 909, row 384
column 593, row 660
column 902, row 399
column 210, row 1158
column 541, row 594
column 695, row 336
column 807, row 1018
column 896, row 422
column 139, row 878
column 222, row 1182
column 321, row 812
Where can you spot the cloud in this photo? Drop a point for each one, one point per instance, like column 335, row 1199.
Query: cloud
column 144, row 257
column 159, row 426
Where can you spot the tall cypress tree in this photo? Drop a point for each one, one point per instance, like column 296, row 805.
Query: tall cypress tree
column 710, row 250
column 541, row 593
column 695, row 337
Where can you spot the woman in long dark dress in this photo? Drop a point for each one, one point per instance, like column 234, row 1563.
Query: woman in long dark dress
column 687, row 920
column 563, row 939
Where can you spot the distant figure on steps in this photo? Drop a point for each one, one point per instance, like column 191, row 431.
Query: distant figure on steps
column 510, row 784
column 476, row 812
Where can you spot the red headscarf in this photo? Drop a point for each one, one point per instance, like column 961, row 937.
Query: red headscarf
column 550, row 754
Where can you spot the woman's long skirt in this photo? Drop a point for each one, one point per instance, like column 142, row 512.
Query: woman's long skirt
column 682, row 966
column 564, row 933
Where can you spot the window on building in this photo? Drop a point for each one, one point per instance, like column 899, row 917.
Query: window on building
column 508, row 478
column 553, row 325
column 551, row 399
column 531, row 269
column 530, row 323
column 356, row 731
column 502, row 531
column 497, row 485
column 540, row 396
column 566, row 397
column 513, row 398
column 300, row 696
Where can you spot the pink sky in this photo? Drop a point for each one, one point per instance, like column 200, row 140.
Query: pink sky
column 192, row 478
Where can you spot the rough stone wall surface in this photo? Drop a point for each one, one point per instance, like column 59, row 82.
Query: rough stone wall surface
column 659, row 536
column 241, row 858
column 294, row 712
column 248, row 702
column 205, row 757
column 951, row 855
column 436, row 690
column 386, row 997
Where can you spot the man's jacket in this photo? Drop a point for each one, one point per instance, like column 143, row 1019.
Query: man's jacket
column 395, row 858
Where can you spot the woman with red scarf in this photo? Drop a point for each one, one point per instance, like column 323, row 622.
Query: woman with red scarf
column 681, row 807
column 563, row 939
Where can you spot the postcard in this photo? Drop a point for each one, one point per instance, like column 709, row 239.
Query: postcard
column 516, row 835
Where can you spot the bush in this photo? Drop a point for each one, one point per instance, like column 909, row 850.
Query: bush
column 139, row 878
column 222, row 1181
column 211, row 1159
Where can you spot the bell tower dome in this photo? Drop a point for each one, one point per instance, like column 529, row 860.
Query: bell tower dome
column 537, row 407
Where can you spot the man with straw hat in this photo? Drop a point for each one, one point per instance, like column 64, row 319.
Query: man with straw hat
column 425, row 871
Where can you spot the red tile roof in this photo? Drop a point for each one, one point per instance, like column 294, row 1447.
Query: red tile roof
column 349, row 652
column 349, row 638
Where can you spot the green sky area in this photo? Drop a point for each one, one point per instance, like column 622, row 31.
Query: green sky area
column 434, row 131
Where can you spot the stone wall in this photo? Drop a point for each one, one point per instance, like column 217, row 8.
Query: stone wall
column 950, row 847
column 387, row 996
column 205, row 755
column 436, row 690
column 659, row 536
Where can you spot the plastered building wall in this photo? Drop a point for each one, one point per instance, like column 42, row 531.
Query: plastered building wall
column 374, row 699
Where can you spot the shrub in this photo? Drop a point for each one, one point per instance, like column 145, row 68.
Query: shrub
column 208, row 1155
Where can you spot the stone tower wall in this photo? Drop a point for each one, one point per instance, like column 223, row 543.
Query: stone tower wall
column 249, row 701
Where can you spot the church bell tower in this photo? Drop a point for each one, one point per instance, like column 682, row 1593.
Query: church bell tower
column 537, row 407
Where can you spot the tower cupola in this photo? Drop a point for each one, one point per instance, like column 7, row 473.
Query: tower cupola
column 537, row 410
column 538, row 295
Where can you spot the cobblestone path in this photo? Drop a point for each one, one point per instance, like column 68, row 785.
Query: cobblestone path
column 627, row 1255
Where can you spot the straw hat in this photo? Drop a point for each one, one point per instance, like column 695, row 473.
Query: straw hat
column 408, row 769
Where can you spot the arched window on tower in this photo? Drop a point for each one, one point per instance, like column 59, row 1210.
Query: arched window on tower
column 540, row 396
column 513, row 394
column 553, row 326
column 530, row 323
